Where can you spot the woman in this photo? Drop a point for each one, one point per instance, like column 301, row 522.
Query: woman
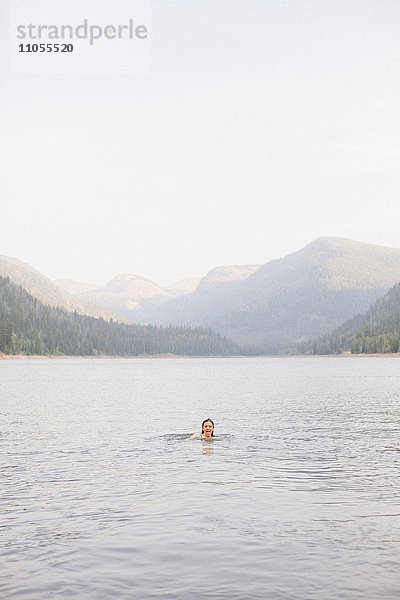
column 207, row 430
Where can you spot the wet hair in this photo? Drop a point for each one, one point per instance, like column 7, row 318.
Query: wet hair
column 205, row 421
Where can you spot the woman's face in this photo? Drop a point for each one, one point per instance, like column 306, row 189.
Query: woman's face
column 208, row 428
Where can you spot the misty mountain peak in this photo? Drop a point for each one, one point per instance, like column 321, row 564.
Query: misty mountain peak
column 184, row 286
column 134, row 286
column 228, row 274
column 40, row 287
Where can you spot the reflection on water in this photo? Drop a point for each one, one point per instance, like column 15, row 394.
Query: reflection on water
column 104, row 496
column 208, row 446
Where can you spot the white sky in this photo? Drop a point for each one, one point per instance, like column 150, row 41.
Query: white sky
column 262, row 125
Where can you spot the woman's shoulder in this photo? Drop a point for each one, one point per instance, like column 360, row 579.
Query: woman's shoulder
column 195, row 435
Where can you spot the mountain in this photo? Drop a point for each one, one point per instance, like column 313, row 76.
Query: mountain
column 280, row 306
column 138, row 298
column 47, row 292
column 74, row 287
column 183, row 286
column 378, row 330
column 129, row 295
column 218, row 293
column 227, row 275
column 291, row 300
column 27, row 326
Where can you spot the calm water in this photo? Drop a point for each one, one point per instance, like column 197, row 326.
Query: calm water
column 296, row 498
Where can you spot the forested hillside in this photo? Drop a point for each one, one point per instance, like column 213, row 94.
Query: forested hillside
column 29, row 327
column 40, row 287
column 378, row 330
column 292, row 300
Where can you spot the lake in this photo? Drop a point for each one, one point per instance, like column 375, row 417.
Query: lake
column 104, row 497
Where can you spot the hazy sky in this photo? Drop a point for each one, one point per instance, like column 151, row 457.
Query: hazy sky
column 262, row 125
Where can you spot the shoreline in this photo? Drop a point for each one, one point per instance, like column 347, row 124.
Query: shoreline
column 177, row 356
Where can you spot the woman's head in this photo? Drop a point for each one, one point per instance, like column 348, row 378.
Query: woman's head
column 207, row 427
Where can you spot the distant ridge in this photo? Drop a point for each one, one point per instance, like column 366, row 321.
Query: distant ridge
column 129, row 295
column 47, row 292
column 139, row 299
column 276, row 307
column 183, row 286
column 293, row 299
column 29, row 327
column 230, row 274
